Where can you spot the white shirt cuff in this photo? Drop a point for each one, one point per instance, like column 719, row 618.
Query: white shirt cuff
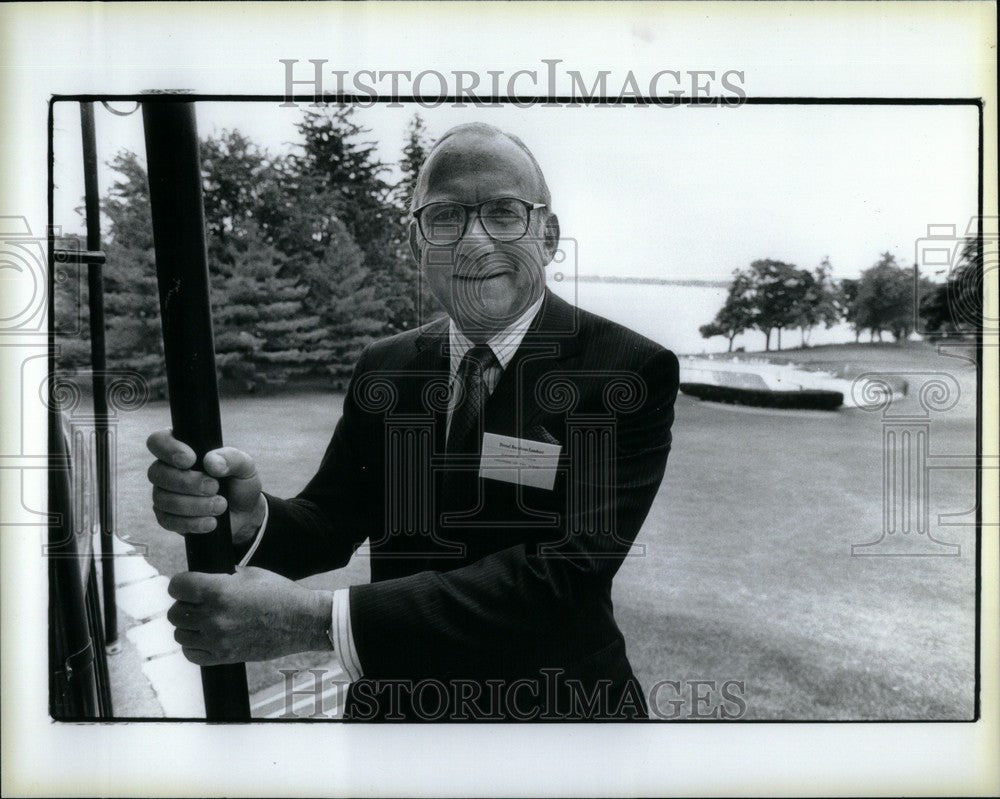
column 341, row 635
column 256, row 541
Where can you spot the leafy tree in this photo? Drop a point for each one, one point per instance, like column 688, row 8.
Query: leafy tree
column 242, row 186
column 848, row 300
column 885, row 299
column 956, row 306
column 905, row 325
column 735, row 316
column 818, row 304
column 773, row 289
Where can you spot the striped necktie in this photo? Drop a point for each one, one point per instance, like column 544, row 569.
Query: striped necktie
column 466, row 420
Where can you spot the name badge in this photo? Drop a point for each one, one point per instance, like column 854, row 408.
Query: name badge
column 519, row 461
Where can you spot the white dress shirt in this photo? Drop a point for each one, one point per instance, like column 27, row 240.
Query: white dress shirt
column 504, row 345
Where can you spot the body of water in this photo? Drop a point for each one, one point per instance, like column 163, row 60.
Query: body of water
column 671, row 315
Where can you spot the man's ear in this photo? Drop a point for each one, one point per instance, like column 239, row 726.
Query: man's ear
column 551, row 237
column 414, row 235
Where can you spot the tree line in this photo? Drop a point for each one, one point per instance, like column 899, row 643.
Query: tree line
column 309, row 262
column 772, row 296
column 307, row 251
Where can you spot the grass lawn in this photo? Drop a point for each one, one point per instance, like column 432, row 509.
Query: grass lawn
column 747, row 572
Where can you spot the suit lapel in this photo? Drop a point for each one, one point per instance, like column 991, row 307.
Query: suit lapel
column 552, row 338
column 427, row 392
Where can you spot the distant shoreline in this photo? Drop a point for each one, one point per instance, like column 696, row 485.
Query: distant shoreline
column 652, row 281
column 851, row 359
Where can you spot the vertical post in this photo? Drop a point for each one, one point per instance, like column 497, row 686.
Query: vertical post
column 98, row 363
column 73, row 690
column 182, row 273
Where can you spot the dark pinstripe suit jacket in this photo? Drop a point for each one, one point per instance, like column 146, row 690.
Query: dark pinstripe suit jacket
column 514, row 583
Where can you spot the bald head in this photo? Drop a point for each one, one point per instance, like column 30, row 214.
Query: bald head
column 485, row 148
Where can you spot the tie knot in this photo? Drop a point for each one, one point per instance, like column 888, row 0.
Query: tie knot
column 480, row 356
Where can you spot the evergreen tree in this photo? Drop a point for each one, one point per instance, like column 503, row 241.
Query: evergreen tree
column 131, row 297
column 415, row 152
column 419, row 309
column 337, row 166
column 263, row 335
column 348, row 174
column 270, row 308
column 307, row 253
column 71, row 297
column 263, row 332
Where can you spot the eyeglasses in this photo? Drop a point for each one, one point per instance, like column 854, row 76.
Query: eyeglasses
column 503, row 219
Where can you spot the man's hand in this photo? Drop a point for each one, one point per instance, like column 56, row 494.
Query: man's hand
column 187, row 501
column 251, row 615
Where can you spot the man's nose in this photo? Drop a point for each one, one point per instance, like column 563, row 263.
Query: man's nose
column 473, row 246
column 476, row 231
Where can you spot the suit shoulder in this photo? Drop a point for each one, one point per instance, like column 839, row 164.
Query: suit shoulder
column 385, row 352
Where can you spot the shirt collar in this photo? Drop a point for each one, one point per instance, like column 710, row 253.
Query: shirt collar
column 504, row 344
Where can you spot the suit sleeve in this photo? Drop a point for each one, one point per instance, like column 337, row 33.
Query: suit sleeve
column 511, row 602
column 321, row 528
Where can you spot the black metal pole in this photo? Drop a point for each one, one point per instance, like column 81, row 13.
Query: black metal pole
column 72, row 688
column 98, row 363
column 182, row 272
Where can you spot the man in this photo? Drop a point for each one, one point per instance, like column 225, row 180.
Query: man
column 499, row 461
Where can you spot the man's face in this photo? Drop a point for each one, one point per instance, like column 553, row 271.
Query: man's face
column 484, row 284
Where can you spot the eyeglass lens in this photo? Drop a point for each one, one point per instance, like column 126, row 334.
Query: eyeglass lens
column 503, row 219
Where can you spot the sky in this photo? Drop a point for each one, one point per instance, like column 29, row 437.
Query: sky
column 683, row 192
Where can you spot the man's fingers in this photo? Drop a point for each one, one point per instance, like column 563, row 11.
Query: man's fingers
column 198, row 656
column 191, row 638
column 191, row 587
column 184, row 616
column 229, row 462
column 185, row 524
column 169, row 450
column 182, row 481
column 185, row 505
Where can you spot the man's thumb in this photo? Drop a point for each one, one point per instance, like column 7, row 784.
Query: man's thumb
column 229, row 462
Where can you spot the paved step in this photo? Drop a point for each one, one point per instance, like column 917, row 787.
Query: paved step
column 154, row 638
column 142, row 597
column 146, row 599
column 132, row 569
column 177, row 682
column 300, row 699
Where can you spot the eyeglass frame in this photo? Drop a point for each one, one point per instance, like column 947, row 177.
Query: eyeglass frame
column 479, row 211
